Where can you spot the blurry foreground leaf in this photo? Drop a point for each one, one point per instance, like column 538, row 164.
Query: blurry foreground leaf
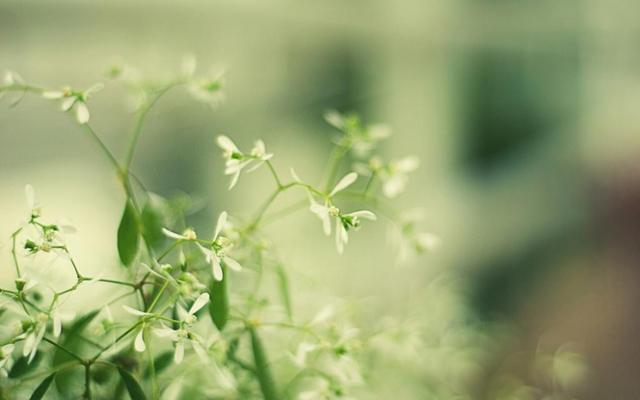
column 42, row 388
column 128, row 233
column 133, row 387
column 219, row 304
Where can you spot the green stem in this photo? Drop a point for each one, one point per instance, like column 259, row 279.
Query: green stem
column 102, row 146
column 69, row 352
column 140, row 122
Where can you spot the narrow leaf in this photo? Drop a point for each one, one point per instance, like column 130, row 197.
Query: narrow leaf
column 42, row 388
column 133, row 387
column 128, row 234
column 263, row 370
column 22, row 366
column 283, row 285
column 219, row 304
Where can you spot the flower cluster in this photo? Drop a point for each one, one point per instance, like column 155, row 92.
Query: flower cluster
column 236, row 161
column 343, row 222
column 183, row 301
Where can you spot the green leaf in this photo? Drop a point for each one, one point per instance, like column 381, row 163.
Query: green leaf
column 219, row 304
column 153, row 220
column 42, row 388
column 22, row 366
column 133, row 387
column 263, row 370
column 128, row 234
column 283, row 285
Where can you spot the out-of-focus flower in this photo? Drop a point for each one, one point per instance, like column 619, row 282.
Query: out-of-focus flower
column 236, row 161
column 184, row 335
column 357, row 137
column 343, row 222
column 76, row 100
column 217, row 253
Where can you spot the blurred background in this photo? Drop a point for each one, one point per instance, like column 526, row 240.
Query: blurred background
column 524, row 115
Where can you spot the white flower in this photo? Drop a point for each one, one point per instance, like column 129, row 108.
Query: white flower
column 74, row 100
column 300, row 357
column 259, row 153
column 343, row 222
column 236, row 161
column 427, row 241
column 395, row 175
column 219, row 246
column 206, row 90
column 183, row 335
column 357, row 137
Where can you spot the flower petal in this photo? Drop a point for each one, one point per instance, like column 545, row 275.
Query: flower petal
column 234, row 180
column 135, row 312
column 233, row 264
column 222, row 222
column 178, row 355
column 200, row 351
column 366, row 214
column 226, row 144
column 344, row 183
column 172, row 234
column 139, row 344
column 200, row 302
column 53, row 94
column 67, row 103
column 82, row 112
column 216, row 268
column 294, row 175
column 57, row 325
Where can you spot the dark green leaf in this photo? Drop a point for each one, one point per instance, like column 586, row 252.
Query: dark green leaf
column 283, row 285
column 42, row 388
column 128, row 234
column 263, row 370
column 133, row 387
column 153, row 220
column 22, row 366
column 219, row 304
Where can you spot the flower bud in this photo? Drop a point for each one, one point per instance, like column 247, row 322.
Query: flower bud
column 20, row 284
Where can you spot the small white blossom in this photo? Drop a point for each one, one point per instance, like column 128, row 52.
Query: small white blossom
column 217, row 252
column 343, row 222
column 183, row 335
column 236, row 161
column 71, row 99
column 395, row 175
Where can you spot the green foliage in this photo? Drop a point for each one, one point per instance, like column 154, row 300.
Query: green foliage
column 128, row 234
column 132, row 385
column 42, row 388
column 219, row 307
